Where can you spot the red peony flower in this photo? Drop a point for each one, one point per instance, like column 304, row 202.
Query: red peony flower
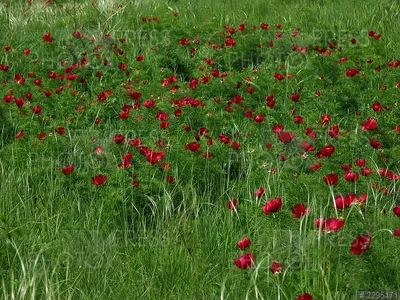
column 360, row 244
column 366, row 171
column 245, row 261
column 259, row 192
column 232, row 205
column 149, row 103
column 376, row 106
column 295, row 97
column 37, row 109
column 396, row 232
column 277, row 75
column 330, row 224
column 99, row 179
column 375, row 144
column 298, row 119
column 272, row 206
column 316, row 166
column 300, row 210
column 285, row 137
column 331, row 179
column 67, row 169
column 118, row 138
column 47, row 37
column 304, row 296
column 396, row 211
column 334, row 131
column 276, row 267
column 341, row 202
column 20, row 134
column 324, row 119
column 154, row 156
column 351, row 176
column 170, row 179
column 352, row 72
column 244, row 243
column 194, row 147
column 277, row 128
column 360, row 162
column 259, row 118
column 326, row 151
column 370, row 124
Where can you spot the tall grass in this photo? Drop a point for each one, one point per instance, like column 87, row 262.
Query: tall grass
column 63, row 238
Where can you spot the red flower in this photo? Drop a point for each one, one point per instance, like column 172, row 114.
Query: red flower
column 232, row 205
column 300, row 210
column 324, row 119
column 334, row 131
column 331, row 179
column 135, row 183
column 272, row 206
column 149, row 103
column 19, row 134
column 164, row 125
column 154, row 156
column 60, row 130
column 41, row 136
column 360, row 244
column 170, row 179
column 307, row 146
column 304, row 296
column 396, row 211
column 376, row 106
column 370, row 124
column 37, row 109
column 67, row 169
column 295, row 97
column 139, row 58
column 341, row 202
column 330, row 224
column 316, row 166
column 366, row 171
column 298, row 119
column 375, row 144
column 235, row 145
column 245, row 261
column 99, row 179
column 346, row 167
column 277, row 128
column 242, row 27
column 279, row 76
column 184, row 41
column 244, row 243
column 363, row 198
column 276, row 267
column 259, row 192
column 223, row 138
column 194, row 147
column 47, row 37
column 285, row 137
column 351, row 176
column 259, row 118
column 360, row 162
column 118, row 138
column 396, row 232
column 326, row 151
column 352, row 72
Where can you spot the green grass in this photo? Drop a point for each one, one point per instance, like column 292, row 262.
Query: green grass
column 62, row 237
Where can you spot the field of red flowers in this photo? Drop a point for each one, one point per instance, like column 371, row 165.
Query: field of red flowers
column 232, row 160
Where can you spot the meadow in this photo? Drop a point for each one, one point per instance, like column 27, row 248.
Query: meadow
column 200, row 149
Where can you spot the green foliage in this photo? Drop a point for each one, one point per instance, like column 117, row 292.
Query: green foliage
column 139, row 235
